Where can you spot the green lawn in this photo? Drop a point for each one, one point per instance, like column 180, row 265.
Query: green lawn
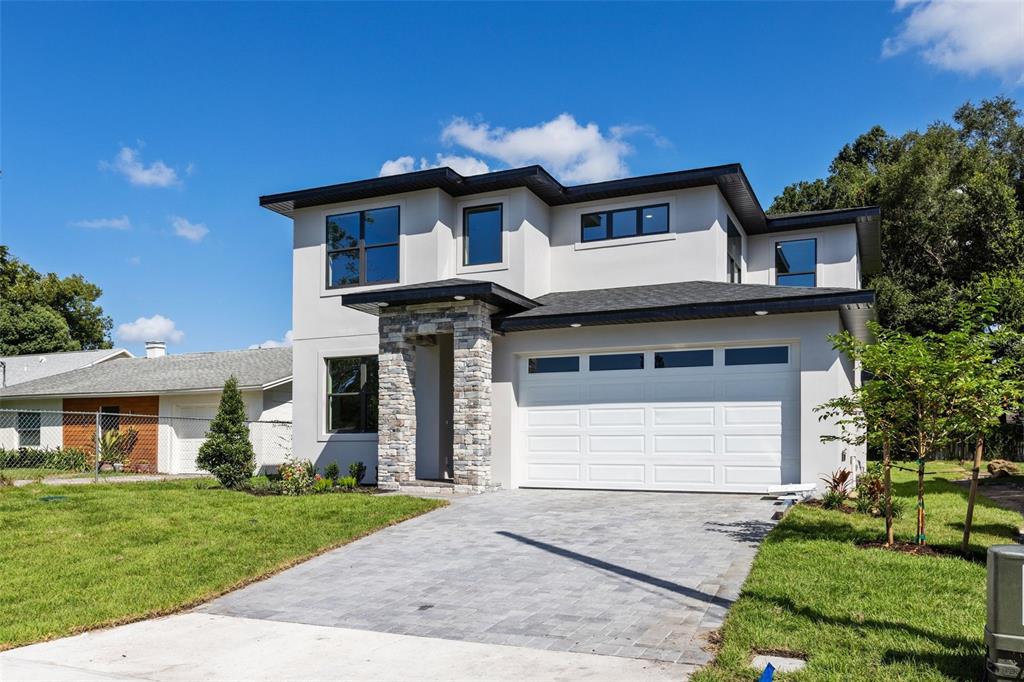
column 110, row 553
column 868, row 614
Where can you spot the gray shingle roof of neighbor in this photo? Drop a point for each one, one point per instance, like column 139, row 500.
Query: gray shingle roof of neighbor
column 23, row 368
column 168, row 374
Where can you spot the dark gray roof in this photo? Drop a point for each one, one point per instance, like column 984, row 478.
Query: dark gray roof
column 440, row 290
column 680, row 301
column 167, row 374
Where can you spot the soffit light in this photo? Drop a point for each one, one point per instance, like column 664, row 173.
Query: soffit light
column 574, row 325
column 383, row 304
column 760, row 313
column 459, row 298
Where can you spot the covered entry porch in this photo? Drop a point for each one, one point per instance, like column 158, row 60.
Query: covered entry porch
column 435, row 380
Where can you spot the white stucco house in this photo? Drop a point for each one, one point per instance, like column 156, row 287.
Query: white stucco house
column 504, row 330
column 167, row 399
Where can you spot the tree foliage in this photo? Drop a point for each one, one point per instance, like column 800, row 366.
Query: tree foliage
column 227, row 452
column 47, row 313
column 952, row 200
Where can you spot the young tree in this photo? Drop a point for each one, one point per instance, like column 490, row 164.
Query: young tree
column 227, row 452
column 904, row 404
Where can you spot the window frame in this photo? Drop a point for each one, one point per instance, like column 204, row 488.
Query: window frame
column 361, row 248
column 734, row 265
column 775, row 260
column 110, row 418
column 362, row 393
column 38, row 429
column 608, row 212
column 663, row 351
column 466, row 211
column 640, row 353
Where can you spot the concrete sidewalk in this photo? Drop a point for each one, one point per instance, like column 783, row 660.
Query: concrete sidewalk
column 198, row 646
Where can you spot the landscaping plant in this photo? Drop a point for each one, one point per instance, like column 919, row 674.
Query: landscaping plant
column 297, row 476
column 357, row 470
column 331, row 472
column 227, row 452
column 349, row 483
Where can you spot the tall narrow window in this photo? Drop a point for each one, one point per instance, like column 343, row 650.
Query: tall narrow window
column 352, row 395
column 734, row 252
column 28, row 429
column 796, row 263
column 110, row 418
column 362, row 247
column 481, row 235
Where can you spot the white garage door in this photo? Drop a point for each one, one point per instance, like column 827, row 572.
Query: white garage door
column 189, row 432
column 713, row 419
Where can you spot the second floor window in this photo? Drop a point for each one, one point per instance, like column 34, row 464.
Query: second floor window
column 362, row 248
column 796, row 263
column 481, row 235
column 629, row 222
column 734, row 255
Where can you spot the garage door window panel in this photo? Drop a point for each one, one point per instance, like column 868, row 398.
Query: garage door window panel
column 618, row 361
column 764, row 355
column 553, row 365
column 672, row 359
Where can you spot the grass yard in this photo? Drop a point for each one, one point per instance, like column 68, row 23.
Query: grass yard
column 33, row 473
column 111, row 553
column 868, row 614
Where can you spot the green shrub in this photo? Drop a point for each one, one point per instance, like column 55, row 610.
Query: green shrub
column 349, row 482
column 833, row 499
column 331, row 471
column 899, row 506
column 357, row 470
column 227, row 452
column 322, row 485
column 296, row 476
column 63, row 459
column 259, row 484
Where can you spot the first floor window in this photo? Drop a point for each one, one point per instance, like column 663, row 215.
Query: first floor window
column 796, row 262
column 352, row 394
column 110, row 418
column 28, row 429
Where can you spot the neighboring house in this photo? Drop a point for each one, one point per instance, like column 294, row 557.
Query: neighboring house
column 649, row 333
column 178, row 393
column 17, row 369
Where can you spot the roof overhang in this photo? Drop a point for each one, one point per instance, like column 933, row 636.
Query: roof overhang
column 130, row 394
column 855, row 307
column 435, row 292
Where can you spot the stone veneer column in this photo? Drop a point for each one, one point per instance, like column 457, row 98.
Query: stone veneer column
column 396, row 427
column 472, row 392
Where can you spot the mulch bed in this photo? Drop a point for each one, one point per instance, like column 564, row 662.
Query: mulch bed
column 915, row 549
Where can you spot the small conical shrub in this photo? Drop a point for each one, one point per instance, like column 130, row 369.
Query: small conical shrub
column 227, row 452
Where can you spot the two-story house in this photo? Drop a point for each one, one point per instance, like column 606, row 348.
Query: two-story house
column 649, row 333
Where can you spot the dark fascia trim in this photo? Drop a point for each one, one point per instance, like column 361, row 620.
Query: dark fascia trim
column 488, row 292
column 730, row 179
column 842, row 216
column 692, row 311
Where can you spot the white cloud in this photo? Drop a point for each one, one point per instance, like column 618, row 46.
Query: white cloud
column 573, row 152
column 122, row 223
column 286, row 342
column 156, row 328
column 964, row 36
column 194, row 232
column 463, row 165
column 134, row 260
column 129, row 164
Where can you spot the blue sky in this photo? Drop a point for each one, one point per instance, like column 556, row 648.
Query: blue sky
column 137, row 137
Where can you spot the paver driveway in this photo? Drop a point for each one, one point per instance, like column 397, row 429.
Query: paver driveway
column 641, row 575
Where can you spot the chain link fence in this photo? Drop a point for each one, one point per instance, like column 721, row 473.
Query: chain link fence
column 38, row 444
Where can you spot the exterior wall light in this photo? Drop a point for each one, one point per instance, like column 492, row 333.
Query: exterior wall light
column 574, row 325
column 459, row 298
column 760, row 313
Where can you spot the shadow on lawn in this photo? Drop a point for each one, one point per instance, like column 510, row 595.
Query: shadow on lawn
column 962, row 659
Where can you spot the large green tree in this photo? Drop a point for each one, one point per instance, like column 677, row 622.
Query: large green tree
column 952, row 201
column 48, row 313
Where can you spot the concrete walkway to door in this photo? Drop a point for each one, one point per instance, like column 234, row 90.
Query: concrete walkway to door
column 637, row 575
